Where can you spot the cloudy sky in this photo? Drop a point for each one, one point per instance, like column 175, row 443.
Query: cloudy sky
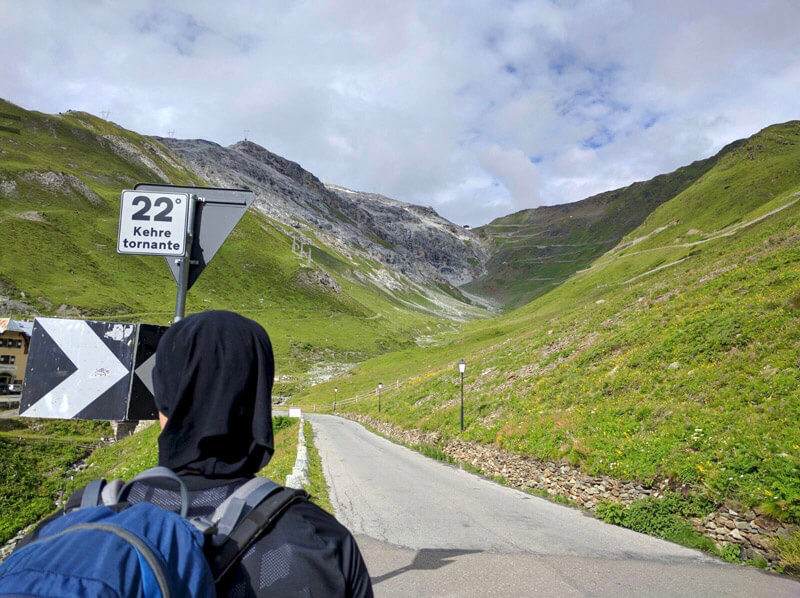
column 478, row 108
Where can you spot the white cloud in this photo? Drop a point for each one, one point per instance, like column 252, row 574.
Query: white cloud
column 516, row 172
column 438, row 103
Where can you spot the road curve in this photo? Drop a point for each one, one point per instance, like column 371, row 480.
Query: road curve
column 431, row 529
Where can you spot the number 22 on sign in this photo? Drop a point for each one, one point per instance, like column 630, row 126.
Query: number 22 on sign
column 153, row 223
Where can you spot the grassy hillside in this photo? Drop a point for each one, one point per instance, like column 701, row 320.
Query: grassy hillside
column 669, row 358
column 671, row 354
column 60, row 182
column 41, row 456
column 746, row 179
column 37, row 458
column 535, row 250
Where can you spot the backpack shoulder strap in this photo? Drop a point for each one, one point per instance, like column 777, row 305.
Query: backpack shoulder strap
column 256, row 521
column 100, row 492
column 158, row 473
column 110, row 494
column 92, row 493
column 240, row 503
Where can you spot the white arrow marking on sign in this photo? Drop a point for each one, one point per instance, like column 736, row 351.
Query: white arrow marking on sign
column 145, row 372
column 98, row 370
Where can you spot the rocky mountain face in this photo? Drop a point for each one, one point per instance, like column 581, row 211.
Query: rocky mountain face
column 510, row 261
column 412, row 240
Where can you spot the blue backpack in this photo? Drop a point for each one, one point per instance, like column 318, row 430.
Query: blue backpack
column 110, row 548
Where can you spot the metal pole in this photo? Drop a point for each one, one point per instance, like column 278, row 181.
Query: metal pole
column 379, row 399
column 185, row 263
column 462, row 401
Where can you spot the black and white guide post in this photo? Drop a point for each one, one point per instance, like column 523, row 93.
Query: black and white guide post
column 86, row 369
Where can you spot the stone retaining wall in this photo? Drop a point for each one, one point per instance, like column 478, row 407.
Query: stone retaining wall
column 752, row 532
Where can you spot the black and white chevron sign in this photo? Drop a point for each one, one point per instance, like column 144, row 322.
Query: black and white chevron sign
column 141, row 404
column 83, row 369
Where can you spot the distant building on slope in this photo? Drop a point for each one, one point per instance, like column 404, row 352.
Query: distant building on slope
column 15, row 340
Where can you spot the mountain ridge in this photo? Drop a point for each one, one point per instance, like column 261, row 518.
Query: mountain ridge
column 510, row 261
column 565, row 238
column 670, row 359
column 395, row 234
column 60, row 182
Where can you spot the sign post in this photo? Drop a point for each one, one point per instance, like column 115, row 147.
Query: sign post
column 185, row 263
column 187, row 225
column 212, row 215
column 83, row 369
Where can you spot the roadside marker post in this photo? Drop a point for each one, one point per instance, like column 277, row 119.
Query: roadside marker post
column 462, row 367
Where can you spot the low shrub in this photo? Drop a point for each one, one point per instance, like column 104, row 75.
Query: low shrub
column 279, row 422
column 664, row 517
column 788, row 550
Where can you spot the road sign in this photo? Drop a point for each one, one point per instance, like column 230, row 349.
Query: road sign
column 83, row 369
column 153, row 223
column 141, row 404
column 216, row 214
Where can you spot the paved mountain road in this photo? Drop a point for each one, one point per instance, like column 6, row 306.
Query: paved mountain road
column 430, row 529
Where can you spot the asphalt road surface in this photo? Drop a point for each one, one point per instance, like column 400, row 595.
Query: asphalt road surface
column 427, row 528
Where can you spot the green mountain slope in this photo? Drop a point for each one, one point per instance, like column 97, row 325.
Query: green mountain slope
column 533, row 251
column 665, row 359
column 672, row 354
column 60, row 182
column 747, row 177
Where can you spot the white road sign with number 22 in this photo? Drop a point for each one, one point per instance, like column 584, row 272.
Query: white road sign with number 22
column 153, row 223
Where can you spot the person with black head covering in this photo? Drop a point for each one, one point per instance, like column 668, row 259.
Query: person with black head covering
column 213, row 390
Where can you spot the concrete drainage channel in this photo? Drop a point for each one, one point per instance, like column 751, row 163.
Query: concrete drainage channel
column 299, row 476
